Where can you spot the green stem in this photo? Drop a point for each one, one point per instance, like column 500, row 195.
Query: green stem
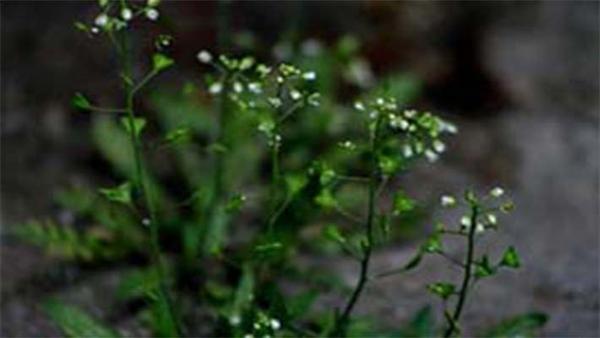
column 343, row 320
column 142, row 186
column 452, row 324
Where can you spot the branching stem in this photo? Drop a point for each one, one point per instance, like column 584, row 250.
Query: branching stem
column 343, row 319
column 468, row 270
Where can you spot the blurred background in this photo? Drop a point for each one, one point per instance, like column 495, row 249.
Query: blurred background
column 519, row 79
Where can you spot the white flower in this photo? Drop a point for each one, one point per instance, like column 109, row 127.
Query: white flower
column 126, row 14
column 380, row 101
column 448, row 201
column 280, row 79
column 204, row 56
column 410, row 113
column 146, row 222
column 359, row 106
column 348, row 145
column 403, row 124
column 95, row 30
column 465, row 221
column 152, row 14
column 448, row 127
column 309, row 76
column 101, row 20
column 491, row 218
column 480, row 228
column 275, row 324
column 295, row 95
column 407, row 151
column 215, row 88
column 431, row 156
column 248, row 335
column 373, row 115
column 497, row 192
column 237, row 87
column 255, row 87
column 439, row 146
column 274, row 101
column 235, row 320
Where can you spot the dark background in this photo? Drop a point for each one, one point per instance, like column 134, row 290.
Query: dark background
column 520, row 79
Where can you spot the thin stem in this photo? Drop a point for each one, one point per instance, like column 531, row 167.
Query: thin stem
column 343, row 319
column 462, row 296
column 106, row 110
column 142, row 186
column 354, row 178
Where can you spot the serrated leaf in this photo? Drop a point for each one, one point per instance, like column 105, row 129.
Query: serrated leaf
column 524, row 325
column 138, row 125
column 80, row 101
column 442, row 289
column 161, row 61
column 75, row 323
column 510, row 258
column 119, row 194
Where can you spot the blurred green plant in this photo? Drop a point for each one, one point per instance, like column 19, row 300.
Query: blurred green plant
column 220, row 185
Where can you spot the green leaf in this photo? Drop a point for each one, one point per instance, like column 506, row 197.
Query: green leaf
column 433, row 244
column 103, row 3
column 300, row 304
column 484, row 268
column 137, row 284
column 510, row 258
column 442, row 289
column 75, row 323
column 235, row 203
column 414, row 262
column 119, row 194
column 333, row 233
column 402, row 203
column 388, row 164
column 326, row 199
column 422, row 325
column 81, row 26
column 161, row 61
column 244, row 294
column 179, row 136
column 295, row 183
column 216, row 148
column 138, row 124
column 81, row 102
column 523, row 325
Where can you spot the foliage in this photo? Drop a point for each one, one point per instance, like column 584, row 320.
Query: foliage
column 221, row 185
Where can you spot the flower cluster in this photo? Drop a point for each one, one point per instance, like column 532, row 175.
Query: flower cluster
column 420, row 131
column 263, row 326
column 117, row 16
column 488, row 206
column 274, row 92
